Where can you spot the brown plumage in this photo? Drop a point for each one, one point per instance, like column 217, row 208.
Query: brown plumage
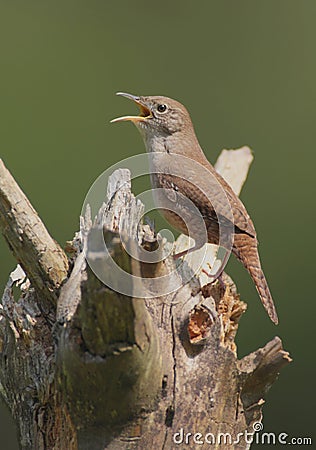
column 168, row 132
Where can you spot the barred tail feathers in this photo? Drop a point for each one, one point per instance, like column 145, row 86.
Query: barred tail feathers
column 245, row 248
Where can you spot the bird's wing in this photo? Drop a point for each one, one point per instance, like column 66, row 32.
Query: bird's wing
column 222, row 205
column 242, row 219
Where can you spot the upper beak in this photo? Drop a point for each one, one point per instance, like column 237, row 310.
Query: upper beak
column 145, row 112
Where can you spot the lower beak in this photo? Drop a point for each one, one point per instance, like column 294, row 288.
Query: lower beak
column 145, row 112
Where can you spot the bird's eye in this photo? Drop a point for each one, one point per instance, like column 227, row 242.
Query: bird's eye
column 162, row 108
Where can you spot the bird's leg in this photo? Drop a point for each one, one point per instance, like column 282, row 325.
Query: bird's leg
column 183, row 253
column 218, row 274
column 218, row 278
column 189, row 250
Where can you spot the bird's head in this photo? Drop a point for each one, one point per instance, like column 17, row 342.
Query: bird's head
column 160, row 116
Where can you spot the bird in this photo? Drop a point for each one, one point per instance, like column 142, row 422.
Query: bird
column 167, row 130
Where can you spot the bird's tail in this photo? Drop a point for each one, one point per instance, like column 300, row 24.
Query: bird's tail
column 245, row 248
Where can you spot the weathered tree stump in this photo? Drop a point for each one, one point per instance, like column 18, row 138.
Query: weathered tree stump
column 85, row 367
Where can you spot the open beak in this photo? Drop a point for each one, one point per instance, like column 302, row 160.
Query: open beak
column 144, row 114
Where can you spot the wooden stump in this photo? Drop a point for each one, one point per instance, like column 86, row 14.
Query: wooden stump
column 85, row 367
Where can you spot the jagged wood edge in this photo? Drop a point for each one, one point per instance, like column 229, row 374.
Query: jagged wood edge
column 42, row 259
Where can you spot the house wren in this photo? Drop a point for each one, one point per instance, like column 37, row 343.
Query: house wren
column 167, row 129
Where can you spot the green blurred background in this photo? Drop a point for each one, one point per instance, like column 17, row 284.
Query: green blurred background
column 246, row 70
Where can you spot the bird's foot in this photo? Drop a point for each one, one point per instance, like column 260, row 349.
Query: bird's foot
column 216, row 277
